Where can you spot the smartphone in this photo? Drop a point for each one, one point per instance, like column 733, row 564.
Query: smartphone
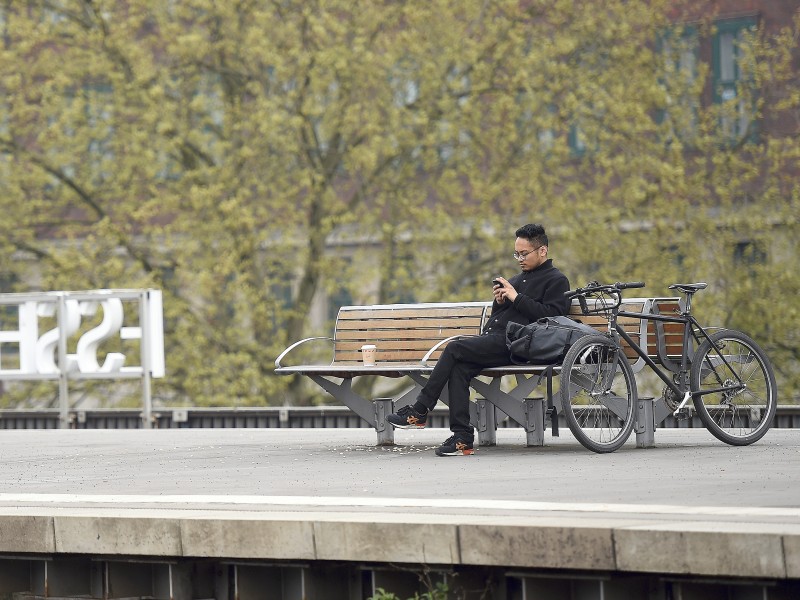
column 496, row 282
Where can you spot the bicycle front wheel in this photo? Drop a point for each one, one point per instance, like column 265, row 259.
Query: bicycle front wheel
column 734, row 388
column 598, row 393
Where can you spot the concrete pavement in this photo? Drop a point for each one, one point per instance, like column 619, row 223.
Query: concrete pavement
column 688, row 467
column 330, row 494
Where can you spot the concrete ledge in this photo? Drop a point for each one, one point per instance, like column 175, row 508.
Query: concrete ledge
column 27, row 533
column 563, row 541
column 248, row 538
column 117, row 535
column 543, row 546
column 425, row 543
column 791, row 550
column 707, row 552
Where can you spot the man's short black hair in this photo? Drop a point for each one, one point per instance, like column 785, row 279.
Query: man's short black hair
column 534, row 233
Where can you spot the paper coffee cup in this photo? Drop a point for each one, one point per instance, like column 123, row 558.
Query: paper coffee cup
column 368, row 354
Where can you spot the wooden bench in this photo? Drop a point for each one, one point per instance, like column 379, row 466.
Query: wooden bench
column 410, row 338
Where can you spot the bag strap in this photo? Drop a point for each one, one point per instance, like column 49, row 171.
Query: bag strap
column 551, row 409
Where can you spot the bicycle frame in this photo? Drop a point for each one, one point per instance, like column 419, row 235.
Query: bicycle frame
column 690, row 327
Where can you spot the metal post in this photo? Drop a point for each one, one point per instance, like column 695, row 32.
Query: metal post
column 645, row 426
column 384, row 407
column 63, row 383
column 487, row 423
column 534, row 421
column 144, row 323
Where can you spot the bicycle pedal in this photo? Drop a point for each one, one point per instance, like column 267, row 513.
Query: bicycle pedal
column 683, row 414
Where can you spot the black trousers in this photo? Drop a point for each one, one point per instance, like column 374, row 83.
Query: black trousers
column 462, row 360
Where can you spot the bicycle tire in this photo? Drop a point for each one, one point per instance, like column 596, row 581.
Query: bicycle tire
column 737, row 417
column 598, row 401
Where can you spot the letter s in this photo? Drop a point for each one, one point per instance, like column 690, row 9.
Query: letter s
column 89, row 341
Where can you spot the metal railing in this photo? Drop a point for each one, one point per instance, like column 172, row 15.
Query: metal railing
column 787, row 417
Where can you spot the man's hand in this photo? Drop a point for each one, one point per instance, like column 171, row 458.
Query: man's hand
column 503, row 291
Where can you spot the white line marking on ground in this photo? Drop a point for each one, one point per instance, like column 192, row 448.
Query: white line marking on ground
column 192, row 501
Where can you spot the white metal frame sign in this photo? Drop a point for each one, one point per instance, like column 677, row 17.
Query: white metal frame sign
column 45, row 355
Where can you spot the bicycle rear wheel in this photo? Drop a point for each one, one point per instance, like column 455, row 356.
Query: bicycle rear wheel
column 598, row 393
column 741, row 395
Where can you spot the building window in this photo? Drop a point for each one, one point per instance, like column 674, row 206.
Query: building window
column 98, row 100
column 577, row 141
column 732, row 78
column 679, row 51
column 749, row 253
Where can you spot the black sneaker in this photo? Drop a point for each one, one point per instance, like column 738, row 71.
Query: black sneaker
column 456, row 445
column 408, row 418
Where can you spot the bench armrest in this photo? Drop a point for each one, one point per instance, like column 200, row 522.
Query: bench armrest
column 278, row 364
column 436, row 346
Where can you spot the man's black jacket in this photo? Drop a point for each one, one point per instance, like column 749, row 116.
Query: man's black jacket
column 540, row 294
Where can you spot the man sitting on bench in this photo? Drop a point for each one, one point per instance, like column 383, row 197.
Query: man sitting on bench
column 536, row 292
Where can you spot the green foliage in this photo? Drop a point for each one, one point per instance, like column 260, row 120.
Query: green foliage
column 381, row 594
column 251, row 158
column 439, row 592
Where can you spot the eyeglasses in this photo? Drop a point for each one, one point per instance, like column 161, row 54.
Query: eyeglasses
column 524, row 255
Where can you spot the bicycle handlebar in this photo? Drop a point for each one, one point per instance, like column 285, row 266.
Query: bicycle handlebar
column 629, row 285
column 594, row 286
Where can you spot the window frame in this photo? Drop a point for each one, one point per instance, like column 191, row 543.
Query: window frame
column 745, row 121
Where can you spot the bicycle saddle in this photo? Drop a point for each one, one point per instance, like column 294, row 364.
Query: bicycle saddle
column 688, row 288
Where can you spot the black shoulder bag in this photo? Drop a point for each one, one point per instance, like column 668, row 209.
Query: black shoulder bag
column 544, row 342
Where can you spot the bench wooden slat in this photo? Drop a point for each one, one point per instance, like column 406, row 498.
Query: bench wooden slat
column 417, row 334
column 409, row 313
column 601, row 323
column 405, row 357
column 414, row 345
column 398, row 356
column 673, row 332
column 668, row 306
column 403, row 324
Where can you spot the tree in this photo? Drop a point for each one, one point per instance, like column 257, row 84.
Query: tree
column 233, row 153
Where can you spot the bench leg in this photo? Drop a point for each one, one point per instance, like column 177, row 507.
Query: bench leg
column 487, row 423
column 645, row 427
column 534, row 421
column 384, row 407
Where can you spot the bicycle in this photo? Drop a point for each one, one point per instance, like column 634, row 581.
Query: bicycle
column 728, row 377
